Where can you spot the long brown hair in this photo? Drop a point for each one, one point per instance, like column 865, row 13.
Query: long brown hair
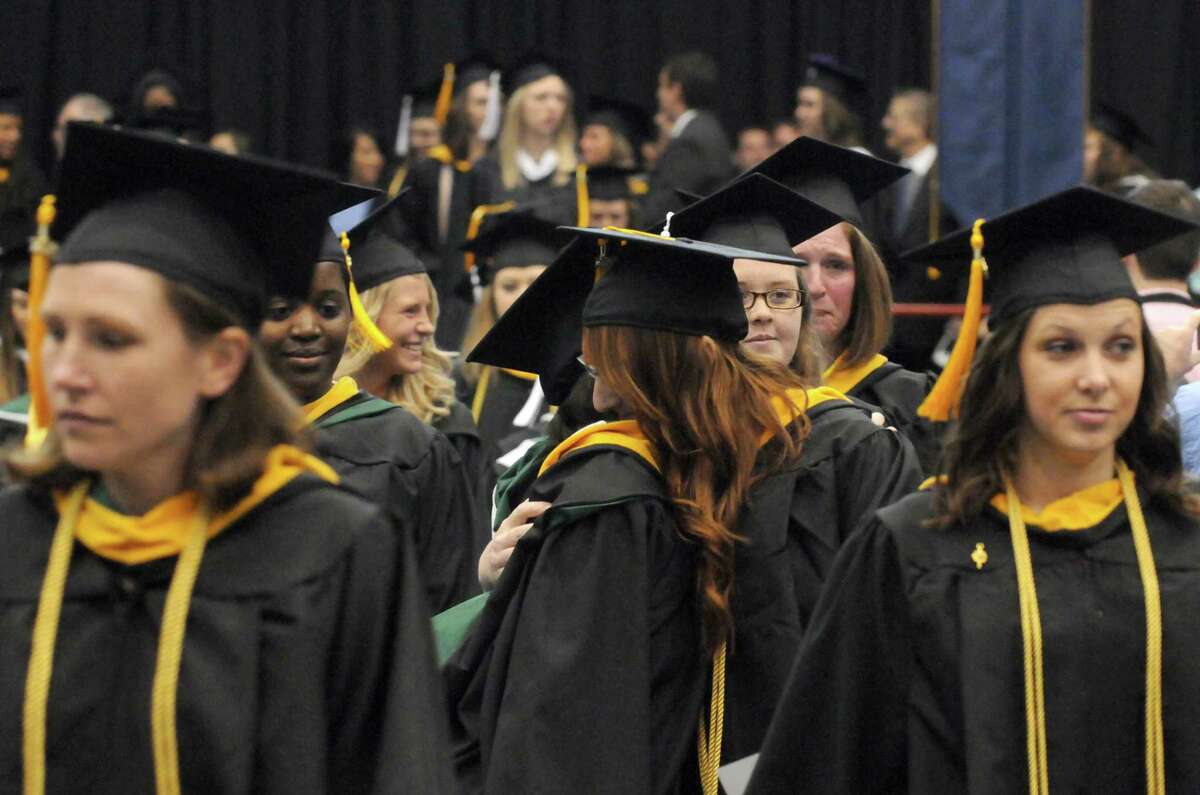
column 981, row 449
column 705, row 407
column 842, row 125
column 234, row 433
column 870, row 323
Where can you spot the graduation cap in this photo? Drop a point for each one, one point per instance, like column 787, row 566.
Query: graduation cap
column 629, row 119
column 476, row 67
column 373, row 255
column 754, row 212
column 514, row 239
column 530, row 67
column 833, row 176
column 647, row 281
column 226, row 226
column 826, row 72
column 609, row 183
column 1063, row 249
column 1119, row 126
column 11, row 101
column 430, row 100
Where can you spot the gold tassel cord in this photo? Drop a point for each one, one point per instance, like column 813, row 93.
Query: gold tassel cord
column 1156, row 779
column 41, row 252
column 708, row 743
column 480, row 394
column 1031, row 641
column 376, row 339
column 583, row 215
column 476, row 221
column 942, row 401
column 441, row 109
column 170, row 656
column 41, row 653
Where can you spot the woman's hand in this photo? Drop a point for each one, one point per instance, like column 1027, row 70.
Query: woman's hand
column 496, row 554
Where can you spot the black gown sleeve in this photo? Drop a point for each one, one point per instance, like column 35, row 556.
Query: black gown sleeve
column 879, row 470
column 595, row 678
column 840, row 726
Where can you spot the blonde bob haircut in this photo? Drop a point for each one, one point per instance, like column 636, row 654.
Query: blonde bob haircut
column 510, row 139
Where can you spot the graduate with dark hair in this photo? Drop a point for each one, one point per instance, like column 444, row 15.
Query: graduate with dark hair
column 188, row 603
column 381, row 450
column 1027, row 624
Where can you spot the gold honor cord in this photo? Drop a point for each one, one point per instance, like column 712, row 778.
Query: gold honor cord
column 166, row 670
column 480, row 393
column 1031, row 641
column 583, row 213
column 708, row 743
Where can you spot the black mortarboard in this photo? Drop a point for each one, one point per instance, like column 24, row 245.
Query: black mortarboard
column 1119, row 126
column 629, row 119
column 528, row 68
column 514, row 239
column 10, row 101
column 377, row 252
column 837, row 178
column 755, row 212
column 647, row 281
column 1063, row 249
column 831, row 75
column 476, row 67
column 229, row 227
column 608, row 183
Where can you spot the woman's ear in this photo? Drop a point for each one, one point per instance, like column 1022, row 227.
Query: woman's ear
column 222, row 361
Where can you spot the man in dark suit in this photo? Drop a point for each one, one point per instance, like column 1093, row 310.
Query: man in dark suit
column 697, row 156
column 907, row 224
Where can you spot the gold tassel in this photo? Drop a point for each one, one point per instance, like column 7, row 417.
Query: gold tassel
column 942, row 401
column 375, row 338
column 476, row 221
column 42, row 249
column 441, row 110
column 583, row 216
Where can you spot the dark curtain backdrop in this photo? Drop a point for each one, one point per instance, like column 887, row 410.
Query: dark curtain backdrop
column 293, row 73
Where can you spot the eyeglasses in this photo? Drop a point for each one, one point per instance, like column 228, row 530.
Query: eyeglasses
column 592, row 371
column 774, row 299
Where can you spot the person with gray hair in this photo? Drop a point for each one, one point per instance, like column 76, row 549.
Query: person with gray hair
column 79, row 107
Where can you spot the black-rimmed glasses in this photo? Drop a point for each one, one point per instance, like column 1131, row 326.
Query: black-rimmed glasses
column 780, row 298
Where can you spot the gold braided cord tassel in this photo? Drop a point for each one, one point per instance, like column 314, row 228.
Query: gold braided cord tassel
column 708, row 743
column 41, row 250
column 170, row 656
column 1156, row 777
column 41, row 653
column 583, row 214
column 1031, row 638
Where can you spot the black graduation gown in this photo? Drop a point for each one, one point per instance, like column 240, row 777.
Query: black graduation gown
column 585, row 671
column 504, row 397
column 552, row 202
column 898, row 393
column 911, row 676
column 459, row 427
column 308, row 662
column 399, row 463
column 794, row 523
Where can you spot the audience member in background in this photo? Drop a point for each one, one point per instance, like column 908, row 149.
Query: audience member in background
column 828, row 102
column 157, row 89
column 1160, row 272
column 534, row 164
column 80, row 107
column 613, row 133
column 904, row 214
column 696, row 155
column 21, row 181
column 477, row 98
column 1110, row 161
column 783, row 133
column 611, row 201
column 232, row 142
column 754, row 145
column 356, row 155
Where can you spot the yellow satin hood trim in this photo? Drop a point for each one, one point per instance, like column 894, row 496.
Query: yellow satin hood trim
column 843, row 379
column 342, row 390
column 163, row 531
column 1079, row 511
column 622, row 433
column 443, row 155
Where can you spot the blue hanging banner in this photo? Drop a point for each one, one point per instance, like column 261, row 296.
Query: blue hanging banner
column 1012, row 85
